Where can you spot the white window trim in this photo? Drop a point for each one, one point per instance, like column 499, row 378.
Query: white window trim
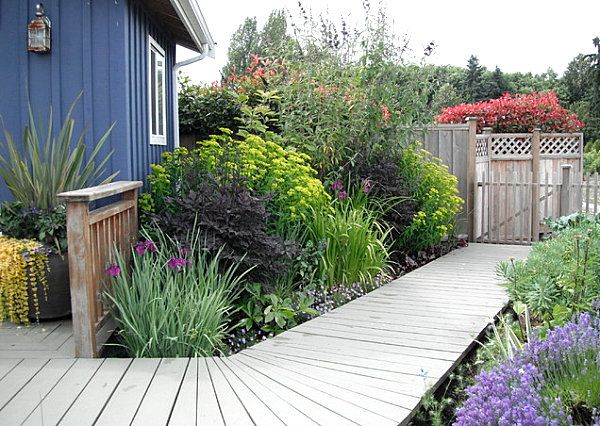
column 157, row 139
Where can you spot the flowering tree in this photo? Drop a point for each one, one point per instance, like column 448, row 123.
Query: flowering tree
column 515, row 113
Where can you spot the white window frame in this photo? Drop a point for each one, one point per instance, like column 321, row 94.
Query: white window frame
column 155, row 137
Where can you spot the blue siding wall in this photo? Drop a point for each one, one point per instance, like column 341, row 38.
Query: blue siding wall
column 98, row 48
column 140, row 25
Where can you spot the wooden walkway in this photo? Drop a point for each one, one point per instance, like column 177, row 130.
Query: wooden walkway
column 368, row 362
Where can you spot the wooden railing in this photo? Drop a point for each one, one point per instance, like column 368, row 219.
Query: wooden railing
column 92, row 234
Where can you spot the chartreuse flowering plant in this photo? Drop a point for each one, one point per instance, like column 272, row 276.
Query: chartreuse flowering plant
column 555, row 381
column 23, row 268
column 267, row 168
column 436, row 195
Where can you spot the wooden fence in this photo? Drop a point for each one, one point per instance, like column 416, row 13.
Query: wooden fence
column 450, row 143
column 522, row 152
column 92, row 234
column 508, row 213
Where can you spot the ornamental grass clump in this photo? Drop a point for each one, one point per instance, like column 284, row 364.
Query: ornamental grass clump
column 23, row 268
column 46, row 163
column 176, row 301
column 357, row 246
column 555, row 381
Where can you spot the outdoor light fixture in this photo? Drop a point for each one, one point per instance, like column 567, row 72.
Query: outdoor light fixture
column 38, row 32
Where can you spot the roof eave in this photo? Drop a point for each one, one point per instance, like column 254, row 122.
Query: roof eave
column 193, row 20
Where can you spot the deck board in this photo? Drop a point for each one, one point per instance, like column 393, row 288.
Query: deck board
column 367, row 362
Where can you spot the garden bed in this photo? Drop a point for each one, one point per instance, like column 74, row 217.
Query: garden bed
column 324, row 300
column 539, row 364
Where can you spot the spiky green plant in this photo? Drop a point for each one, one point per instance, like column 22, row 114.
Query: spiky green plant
column 357, row 244
column 176, row 302
column 47, row 164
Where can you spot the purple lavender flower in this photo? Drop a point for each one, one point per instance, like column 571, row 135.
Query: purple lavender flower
column 178, row 263
column 342, row 195
column 511, row 392
column 337, row 185
column 113, row 270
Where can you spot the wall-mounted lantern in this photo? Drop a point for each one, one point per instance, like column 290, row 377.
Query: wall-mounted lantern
column 38, row 32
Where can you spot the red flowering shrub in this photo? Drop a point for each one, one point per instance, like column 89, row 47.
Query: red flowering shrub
column 261, row 74
column 515, row 113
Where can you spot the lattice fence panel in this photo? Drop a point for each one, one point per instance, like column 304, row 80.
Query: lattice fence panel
column 560, row 145
column 482, row 146
column 510, row 145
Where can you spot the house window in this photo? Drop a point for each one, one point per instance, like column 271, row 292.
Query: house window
column 157, row 93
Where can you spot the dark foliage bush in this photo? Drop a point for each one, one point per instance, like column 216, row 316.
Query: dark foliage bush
column 386, row 183
column 230, row 216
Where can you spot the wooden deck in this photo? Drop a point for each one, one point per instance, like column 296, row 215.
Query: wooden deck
column 368, row 362
column 53, row 339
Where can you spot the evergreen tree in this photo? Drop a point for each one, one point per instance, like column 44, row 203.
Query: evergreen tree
column 497, row 85
column 473, row 83
column 594, row 96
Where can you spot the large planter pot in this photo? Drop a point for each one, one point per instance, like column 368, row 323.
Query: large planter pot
column 57, row 304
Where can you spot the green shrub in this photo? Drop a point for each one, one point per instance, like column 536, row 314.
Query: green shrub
column 560, row 275
column 436, row 194
column 267, row 167
column 175, row 303
column 203, row 110
column 591, row 157
column 356, row 243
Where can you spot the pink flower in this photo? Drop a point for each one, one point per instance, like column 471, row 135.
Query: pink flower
column 113, row 270
column 342, row 195
column 178, row 263
column 386, row 112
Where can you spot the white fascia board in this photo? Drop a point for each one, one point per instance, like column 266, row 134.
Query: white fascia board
column 190, row 14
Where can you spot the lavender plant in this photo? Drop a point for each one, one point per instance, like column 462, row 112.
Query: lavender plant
column 555, row 381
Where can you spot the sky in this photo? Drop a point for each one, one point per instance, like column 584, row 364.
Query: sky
column 516, row 35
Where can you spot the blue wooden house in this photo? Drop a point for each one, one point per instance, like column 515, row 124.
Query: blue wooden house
column 119, row 53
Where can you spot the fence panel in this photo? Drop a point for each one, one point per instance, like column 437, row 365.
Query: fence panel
column 450, row 142
column 92, row 234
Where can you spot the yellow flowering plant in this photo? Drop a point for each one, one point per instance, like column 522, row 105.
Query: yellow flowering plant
column 23, row 269
column 266, row 167
column 436, row 195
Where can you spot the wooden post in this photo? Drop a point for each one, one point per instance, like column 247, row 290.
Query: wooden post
column 83, row 299
column 564, row 189
column 535, row 185
column 471, row 177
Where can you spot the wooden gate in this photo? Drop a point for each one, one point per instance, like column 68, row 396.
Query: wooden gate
column 506, row 207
